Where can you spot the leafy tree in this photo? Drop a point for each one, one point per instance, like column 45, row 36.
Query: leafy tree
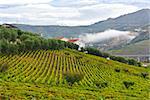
column 29, row 44
column 132, row 62
column 12, row 41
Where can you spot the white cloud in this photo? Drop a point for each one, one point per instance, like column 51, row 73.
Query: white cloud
column 74, row 3
column 62, row 12
column 9, row 2
column 108, row 34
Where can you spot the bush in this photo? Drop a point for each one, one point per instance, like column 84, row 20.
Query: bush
column 101, row 84
column 144, row 74
column 66, row 53
column 78, row 57
column 126, row 70
column 127, row 84
column 117, row 70
column 71, row 78
column 3, row 68
column 133, row 62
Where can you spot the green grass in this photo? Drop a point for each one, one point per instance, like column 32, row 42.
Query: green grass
column 41, row 75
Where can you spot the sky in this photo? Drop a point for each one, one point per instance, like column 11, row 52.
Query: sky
column 66, row 12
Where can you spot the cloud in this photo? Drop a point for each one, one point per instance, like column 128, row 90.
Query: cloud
column 61, row 12
column 108, row 34
column 12, row 2
column 74, row 3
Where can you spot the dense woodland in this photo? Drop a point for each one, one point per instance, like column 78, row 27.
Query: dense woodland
column 14, row 41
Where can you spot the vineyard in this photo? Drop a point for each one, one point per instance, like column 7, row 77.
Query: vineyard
column 42, row 74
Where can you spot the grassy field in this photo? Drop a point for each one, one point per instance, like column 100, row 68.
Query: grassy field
column 42, row 75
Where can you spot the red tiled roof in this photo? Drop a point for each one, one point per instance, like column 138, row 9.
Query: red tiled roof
column 73, row 40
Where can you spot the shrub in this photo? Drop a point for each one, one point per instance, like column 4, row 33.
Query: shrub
column 144, row 74
column 78, row 57
column 3, row 68
column 133, row 62
column 66, row 53
column 126, row 70
column 127, row 84
column 71, row 78
column 117, row 70
column 101, row 84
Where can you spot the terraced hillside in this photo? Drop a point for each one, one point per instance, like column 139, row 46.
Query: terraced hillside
column 42, row 74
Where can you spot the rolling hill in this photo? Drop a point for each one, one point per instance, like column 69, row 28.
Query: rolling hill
column 43, row 74
column 127, row 22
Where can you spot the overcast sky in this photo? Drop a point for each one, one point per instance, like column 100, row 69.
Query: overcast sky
column 66, row 12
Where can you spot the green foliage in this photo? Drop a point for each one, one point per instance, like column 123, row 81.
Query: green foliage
column 144, row 74
column 120, row 59
column 101, row 84
column 117, row 70
column 40, row 74
column 97, row 52
column 125, row 70
column 71, row 78
column 132, row 62
column 15, row 41
column 128, row 84
column 3, row 68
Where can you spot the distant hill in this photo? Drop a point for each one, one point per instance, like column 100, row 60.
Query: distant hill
column 144, row 34
column 127, row 22
column 139, row 45
column 137, row 48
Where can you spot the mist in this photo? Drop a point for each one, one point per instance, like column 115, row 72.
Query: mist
column 106, row 35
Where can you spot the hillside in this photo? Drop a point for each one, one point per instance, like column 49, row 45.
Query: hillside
column 127, row 22
column 137, row 48
column 42, row 74
column 142, row 35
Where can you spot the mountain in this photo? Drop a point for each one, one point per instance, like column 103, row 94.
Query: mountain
column 144, row 34
column 139, row 45
column 127, row 22
column 137, row 48
column 68, row 74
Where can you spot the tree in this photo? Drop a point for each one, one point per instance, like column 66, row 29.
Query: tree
column 29, row 44
column 132, row 62
column 4, row 46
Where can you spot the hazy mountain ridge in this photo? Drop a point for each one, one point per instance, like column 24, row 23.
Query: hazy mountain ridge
column 127, row 22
